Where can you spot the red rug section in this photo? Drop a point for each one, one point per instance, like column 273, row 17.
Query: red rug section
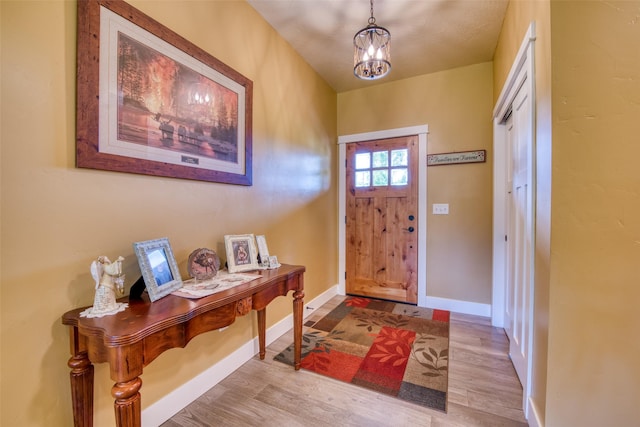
column 441, row 315
column 385, row 363
column 338, row 365
column 383, row 367
column 357, row 302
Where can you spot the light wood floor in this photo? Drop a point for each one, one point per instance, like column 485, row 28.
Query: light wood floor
column 483, row 390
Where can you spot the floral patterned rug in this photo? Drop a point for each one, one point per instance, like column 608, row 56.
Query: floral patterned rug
column 392, row 348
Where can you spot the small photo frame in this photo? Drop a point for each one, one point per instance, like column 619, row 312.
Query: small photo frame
column 273, row 262
column 263, row 250
column 158, row 266
column 242, row 254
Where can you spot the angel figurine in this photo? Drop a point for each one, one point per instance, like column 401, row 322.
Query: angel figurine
column 109, row 284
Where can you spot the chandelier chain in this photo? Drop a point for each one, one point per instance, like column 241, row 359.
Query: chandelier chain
column 372, row 20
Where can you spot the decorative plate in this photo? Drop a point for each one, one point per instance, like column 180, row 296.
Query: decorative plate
column 203, row 264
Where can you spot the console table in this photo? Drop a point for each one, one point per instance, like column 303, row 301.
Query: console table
column 132, row 339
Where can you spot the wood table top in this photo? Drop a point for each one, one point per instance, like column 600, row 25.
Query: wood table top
column 143, row 318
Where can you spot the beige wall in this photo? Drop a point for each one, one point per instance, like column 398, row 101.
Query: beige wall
column 456, row 104
column 585, row 358
column 593, row 338
column 56, row 219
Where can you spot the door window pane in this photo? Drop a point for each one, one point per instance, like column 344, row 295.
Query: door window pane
column 363, row 160
column 380, row 159
column 399, row 157
column 399, row 176
column 363, row 179
column 380, row 177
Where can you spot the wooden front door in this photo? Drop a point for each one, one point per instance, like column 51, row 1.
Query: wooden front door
column 382, row 219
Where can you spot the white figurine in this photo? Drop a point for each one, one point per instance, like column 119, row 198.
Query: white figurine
column 109, row 284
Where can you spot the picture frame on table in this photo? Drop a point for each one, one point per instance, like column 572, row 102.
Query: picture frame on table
column 151, row 102
column 263, row 250
column 241, row 251
column 158, row 267
column 273, row 262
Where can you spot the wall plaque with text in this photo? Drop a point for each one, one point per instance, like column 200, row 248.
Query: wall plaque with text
column 478, row 156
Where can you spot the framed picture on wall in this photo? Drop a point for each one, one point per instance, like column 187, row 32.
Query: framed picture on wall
column 242, row 254
column 151, row 102
column 158, row 267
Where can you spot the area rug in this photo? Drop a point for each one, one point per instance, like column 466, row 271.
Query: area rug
column 392, row 348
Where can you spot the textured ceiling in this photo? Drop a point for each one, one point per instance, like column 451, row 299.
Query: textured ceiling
column 426, row 35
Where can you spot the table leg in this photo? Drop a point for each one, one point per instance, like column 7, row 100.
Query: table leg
column 262, row 325
column 298, row 303
column 127, row 404
column 81, row 389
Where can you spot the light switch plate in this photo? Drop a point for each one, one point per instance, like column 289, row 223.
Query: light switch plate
column 441, row 208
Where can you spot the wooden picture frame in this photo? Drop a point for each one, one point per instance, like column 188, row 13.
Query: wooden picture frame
column 242, row 254
column 158, row 267
column 151, row 102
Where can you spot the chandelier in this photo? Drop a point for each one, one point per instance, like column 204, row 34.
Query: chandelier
column 372, row 51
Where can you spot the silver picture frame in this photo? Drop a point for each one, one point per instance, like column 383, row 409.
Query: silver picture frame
column 158, row 267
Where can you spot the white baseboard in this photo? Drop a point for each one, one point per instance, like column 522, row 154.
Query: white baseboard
column 465, row 307
column 315, row 304
column 160, row 411
column 533, row 417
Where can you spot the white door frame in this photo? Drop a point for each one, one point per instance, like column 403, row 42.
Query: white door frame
column 522, row 73
column 422, row 132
